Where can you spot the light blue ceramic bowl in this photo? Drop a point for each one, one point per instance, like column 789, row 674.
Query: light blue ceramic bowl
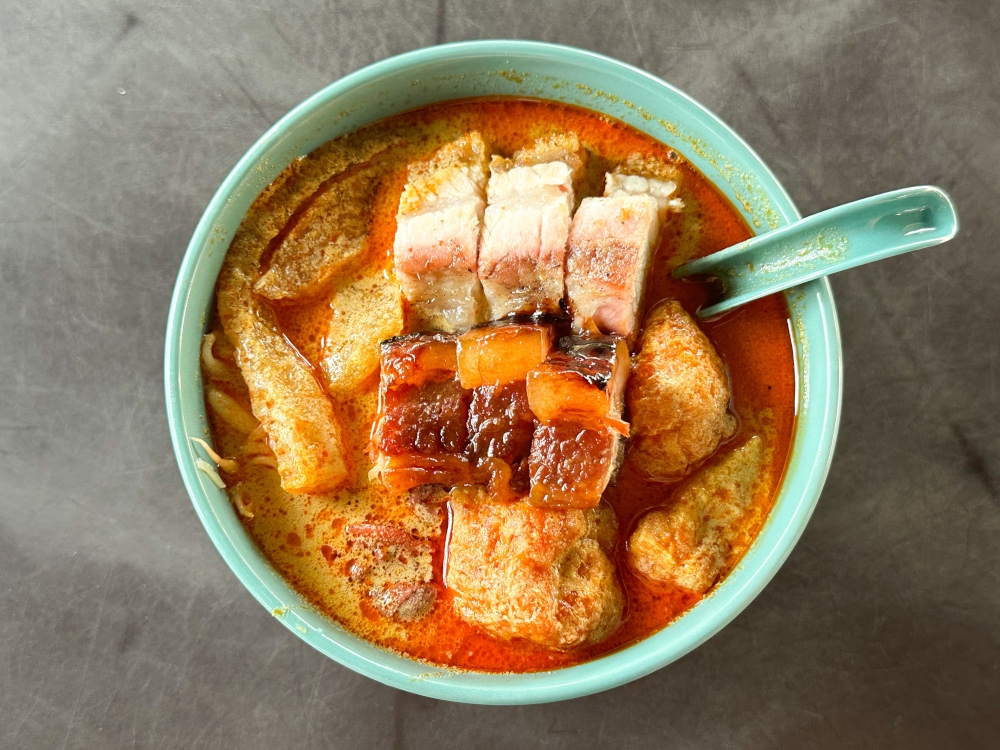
column 520, row 69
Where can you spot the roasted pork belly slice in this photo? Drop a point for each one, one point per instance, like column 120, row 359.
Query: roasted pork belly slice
column 437, row 236
column 523, row 247
column 611, row 242
column 571, row 465
column 498, row 354
column 524, row 238
column 545, row 576
column 583, row 381
column 500, row 430
column 420, row 432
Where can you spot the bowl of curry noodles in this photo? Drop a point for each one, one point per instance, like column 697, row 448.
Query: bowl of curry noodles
column 441, row 406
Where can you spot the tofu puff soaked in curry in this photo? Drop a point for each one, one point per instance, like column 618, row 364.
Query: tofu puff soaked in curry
column 446, row 481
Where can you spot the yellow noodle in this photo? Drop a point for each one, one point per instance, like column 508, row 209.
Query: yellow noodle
column 269, row 461
column 228, row 465
column 230, row 410
column 243, row 508
column 207, row 469
column 212, row 364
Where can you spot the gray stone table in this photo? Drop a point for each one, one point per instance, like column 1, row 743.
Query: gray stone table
column 120, row 625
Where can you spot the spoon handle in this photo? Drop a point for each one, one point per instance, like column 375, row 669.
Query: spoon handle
column 833, row 240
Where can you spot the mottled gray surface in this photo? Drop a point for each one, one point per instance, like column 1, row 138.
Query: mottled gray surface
column 120, row 626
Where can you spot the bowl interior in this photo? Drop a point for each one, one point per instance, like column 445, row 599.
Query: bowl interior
column 520, row 69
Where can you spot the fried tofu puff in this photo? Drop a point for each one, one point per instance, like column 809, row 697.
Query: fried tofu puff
column 686, row 544
column 678, row 396
column 327, row 231
column 520, row 571
column 366, row 311
column 302, row 427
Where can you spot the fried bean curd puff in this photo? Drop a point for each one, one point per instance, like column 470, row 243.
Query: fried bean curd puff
column 520, row 571
column 678, row 396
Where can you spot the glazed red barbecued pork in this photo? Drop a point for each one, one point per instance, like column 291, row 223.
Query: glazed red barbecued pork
column 420, row 432
column 577, row 395
column 494, row 361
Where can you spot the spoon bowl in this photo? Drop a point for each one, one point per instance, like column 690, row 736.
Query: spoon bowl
column 833, row 240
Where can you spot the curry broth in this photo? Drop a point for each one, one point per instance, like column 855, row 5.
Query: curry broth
column 303, row 535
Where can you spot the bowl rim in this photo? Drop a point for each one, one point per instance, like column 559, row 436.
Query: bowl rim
column 609, row 670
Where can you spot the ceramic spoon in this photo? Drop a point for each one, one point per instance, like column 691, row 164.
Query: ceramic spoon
column 824, row 243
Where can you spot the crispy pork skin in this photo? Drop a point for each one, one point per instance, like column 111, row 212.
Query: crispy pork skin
column 662, row 189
